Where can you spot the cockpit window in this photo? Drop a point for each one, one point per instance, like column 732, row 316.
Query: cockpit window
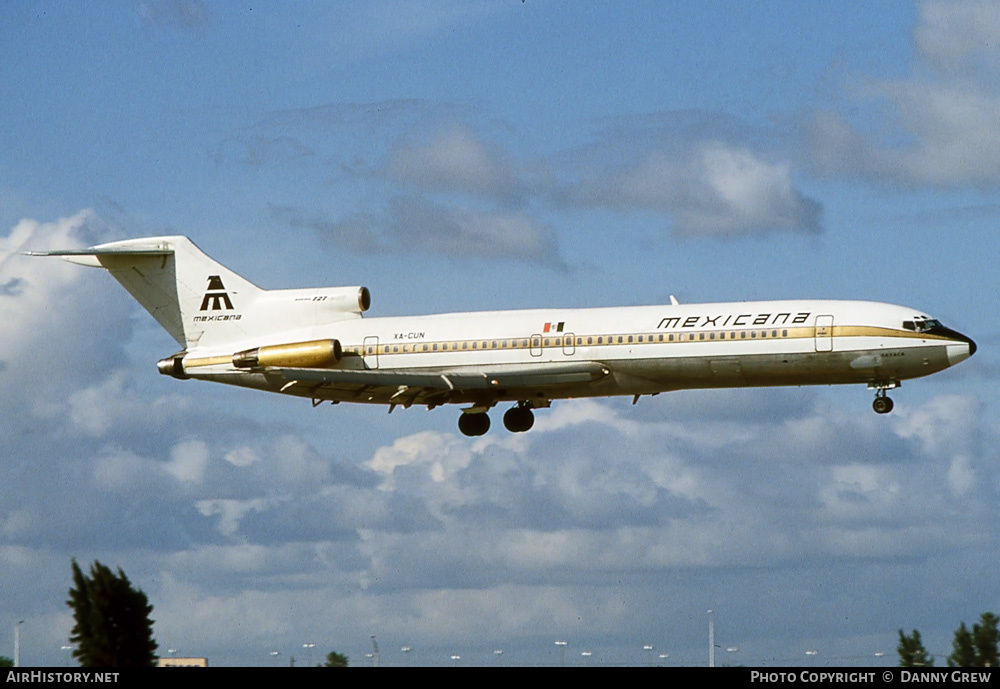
column 921, row 325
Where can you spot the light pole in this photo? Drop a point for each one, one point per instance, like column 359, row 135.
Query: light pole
column 17, row 643
column 711, row 639
column 309, row 650
column 562, row 653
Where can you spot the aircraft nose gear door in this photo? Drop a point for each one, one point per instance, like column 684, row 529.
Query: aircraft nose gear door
column 824, row 333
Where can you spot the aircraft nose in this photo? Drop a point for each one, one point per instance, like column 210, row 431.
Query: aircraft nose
column 967, row 340
column 959, row 352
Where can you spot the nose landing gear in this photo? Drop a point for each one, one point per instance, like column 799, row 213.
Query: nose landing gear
column 883, row 403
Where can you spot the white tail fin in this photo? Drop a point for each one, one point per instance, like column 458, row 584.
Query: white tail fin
column 197, row 300
column 201, row 303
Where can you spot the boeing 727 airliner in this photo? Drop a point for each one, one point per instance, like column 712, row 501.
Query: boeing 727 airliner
column 314, row 343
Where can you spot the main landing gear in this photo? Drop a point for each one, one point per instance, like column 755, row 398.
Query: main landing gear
column 474, row 423
column 516, row 420
column 519, row 419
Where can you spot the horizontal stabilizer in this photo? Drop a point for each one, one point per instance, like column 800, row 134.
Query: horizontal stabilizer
column 90, row 257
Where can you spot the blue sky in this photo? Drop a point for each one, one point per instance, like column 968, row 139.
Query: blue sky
column 475, row 155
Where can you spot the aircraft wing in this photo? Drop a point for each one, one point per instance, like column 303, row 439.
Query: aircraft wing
column 386, row 386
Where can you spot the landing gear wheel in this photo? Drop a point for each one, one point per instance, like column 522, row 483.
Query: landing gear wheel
column 519, row 419
column 474, row 424
column 882, row 404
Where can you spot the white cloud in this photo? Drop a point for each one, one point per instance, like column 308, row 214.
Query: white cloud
column 741, row 193
column 115, row 403
column 942, row 425
column 242, row 456
column 436, row 450
column 230, row 512
column 414, row 225
column 59, row 319
column 861, row 492
column 452, row 160
column 710, row 188
column 959, row 36
column 188, row 461
column 961, row 476
column 117, row 470
column 293, row 462
column 941, row 125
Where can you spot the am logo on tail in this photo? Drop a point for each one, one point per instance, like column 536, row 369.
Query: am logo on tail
column 316, row 344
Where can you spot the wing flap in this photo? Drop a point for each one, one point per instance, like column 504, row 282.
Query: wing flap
column 450, row 381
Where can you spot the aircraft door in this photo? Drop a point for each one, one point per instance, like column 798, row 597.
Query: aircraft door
column 569, row 344
column 536, row 345
column 824, row 333
column 369, row 352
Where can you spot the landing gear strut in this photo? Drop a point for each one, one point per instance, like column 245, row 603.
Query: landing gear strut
column 474, row 423
column 519, row 419
column 882, row 403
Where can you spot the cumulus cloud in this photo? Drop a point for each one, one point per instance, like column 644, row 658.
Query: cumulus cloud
column 443, row 535
column 49, row 305
column 444, row 454
column 454, row 160
column 959, row 37
column 230, row 512
column 115, row 402
column 943, row 120
column 708, row 186
column 415, row 225
column 457, row 191
column 242, row 456
column 188, row 460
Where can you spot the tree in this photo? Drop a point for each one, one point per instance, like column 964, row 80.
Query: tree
column 978, row 648
column 334, row 659
column 6, row 662
column 912, row 652
column 112, row 625
column 963, row 652
column 986, row 638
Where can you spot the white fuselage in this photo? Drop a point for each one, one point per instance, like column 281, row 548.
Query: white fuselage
column 644, row 349
column 315, row 343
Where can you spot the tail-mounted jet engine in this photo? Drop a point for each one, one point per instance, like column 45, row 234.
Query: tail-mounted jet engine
column 312, row 354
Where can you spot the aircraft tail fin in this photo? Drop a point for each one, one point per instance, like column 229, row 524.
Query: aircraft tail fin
column 197, row 300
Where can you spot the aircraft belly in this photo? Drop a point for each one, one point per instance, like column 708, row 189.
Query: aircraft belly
column 627, row 377
column 775, row 369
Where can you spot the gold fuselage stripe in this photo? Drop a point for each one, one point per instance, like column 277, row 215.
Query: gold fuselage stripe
column 550, row 341
column 557, row 341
